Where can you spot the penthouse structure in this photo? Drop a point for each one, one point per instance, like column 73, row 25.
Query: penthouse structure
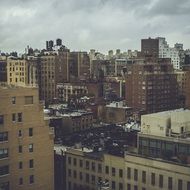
column 166, row 135
column 26, row 142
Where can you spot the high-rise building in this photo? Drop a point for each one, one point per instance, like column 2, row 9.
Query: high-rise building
column 22, row 72
column 150, row 47
column 151, row 86
column 3, row 69
column 159, row 48
column 26, row 142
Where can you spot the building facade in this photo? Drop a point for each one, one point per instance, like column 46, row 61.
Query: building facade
column 86, row 170
column 151, row 87
column 26, row 148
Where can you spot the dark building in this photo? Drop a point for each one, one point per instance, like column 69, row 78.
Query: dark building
column 79, row 66
column 151, row 86
column 3, row 70
column 59, row 42
column 150, row 47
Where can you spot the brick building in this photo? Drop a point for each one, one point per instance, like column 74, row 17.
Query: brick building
column 151, row 86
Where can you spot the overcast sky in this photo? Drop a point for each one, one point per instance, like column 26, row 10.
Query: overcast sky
column 92, row 24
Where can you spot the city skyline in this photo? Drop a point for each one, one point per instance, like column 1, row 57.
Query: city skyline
column 84, row 25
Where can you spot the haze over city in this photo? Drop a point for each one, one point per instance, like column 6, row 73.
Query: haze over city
column 85, row 24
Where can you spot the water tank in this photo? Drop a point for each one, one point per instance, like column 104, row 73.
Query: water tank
column 59, row 42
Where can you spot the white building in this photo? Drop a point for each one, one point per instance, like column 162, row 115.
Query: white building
column 169, row 52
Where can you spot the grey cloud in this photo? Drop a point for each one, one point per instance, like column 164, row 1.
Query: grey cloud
column 85, row 24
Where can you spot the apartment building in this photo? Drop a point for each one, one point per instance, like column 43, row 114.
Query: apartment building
column 159, row 48
column 22, row 71
column 90, row 170
column 47, row 84
column 26, row 142
column 17, row 72
column 186, row 69
column 115, row 112
column 67, row 90
column 151, row 86
column 97, row 169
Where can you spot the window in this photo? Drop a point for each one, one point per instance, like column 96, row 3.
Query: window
column 28, row 100
column 120, row 173
column 135, row 174
column 20, row 148
column 107, row 169
column 4, row 170
column 135, row 187
column 20, row 133
column 161, row 181
column 152, row 178
column 93, row 166
column 75, row 161
column 170, row 183
column 99, row 168
column 4, row 153
column 93, row 179
column 30, row 132
column 87, row 165
column 81, row 163
column 143, row 176
column 4, row 185
column 188, row 185
column 120, row 186
column 113, row 185
column 19, row 117
column 129, row 173
column 20, row 181
column 14, row 117
column 180, row 184
column 69, row 172
column 14, row 100
column 20, row 165
column 75, row 174
column 31, row 179
column 30, row 147
column 128, row 186
column 31, row 163
column 3, row 136
column 69, row 160
column 87, row 178
column 1, row 119
column 113, row 171
column 80, row 176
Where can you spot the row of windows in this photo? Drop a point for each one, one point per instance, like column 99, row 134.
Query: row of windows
column 30, row 148
column 30, row 132
column 30, row 164
column 4, row 153
column 161, row 179
column 27, row 100
column 31, row 180
column 4, row 135
column 87, row 164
